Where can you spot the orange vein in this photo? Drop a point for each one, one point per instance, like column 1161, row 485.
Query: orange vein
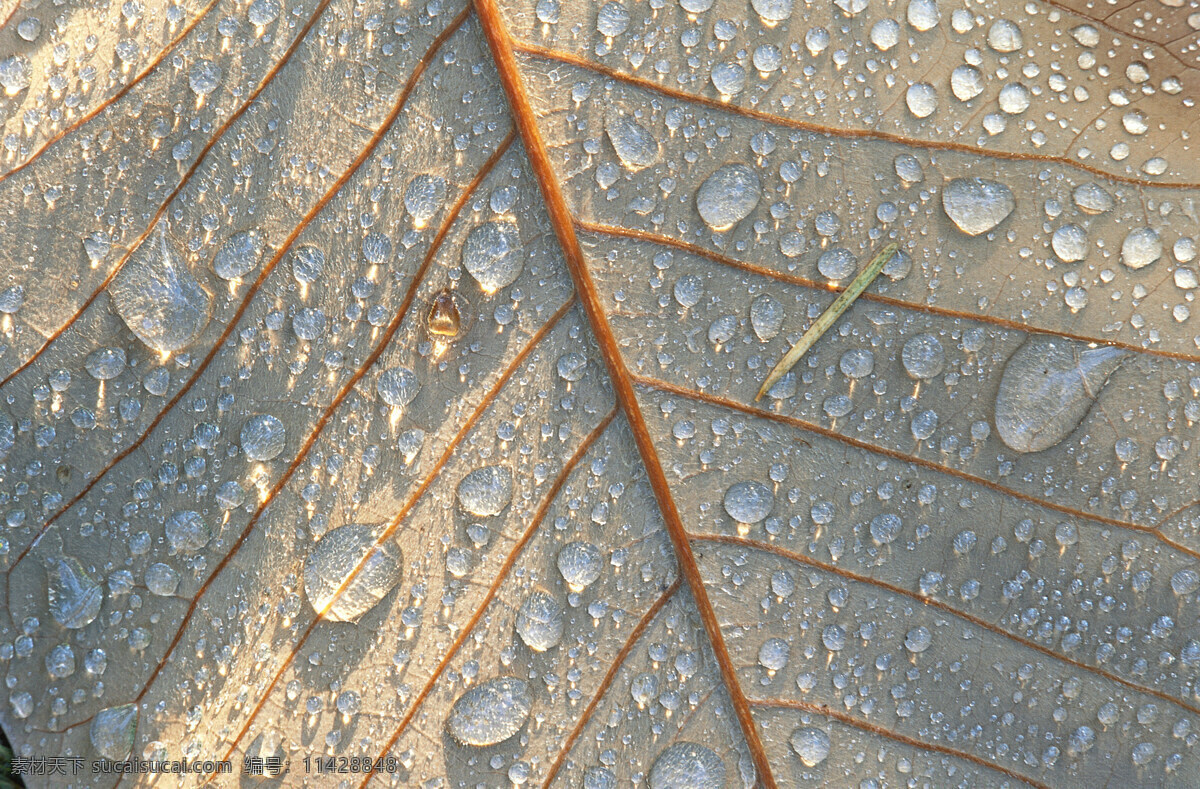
column 501, row 46
column 342, row 180
column 388, row 335
column 113, row 99
column 809, row 427
column 585, row 717
column 805, row 282
column 858, row 723
column 509, row 562
column 166, row 203
column 416, row 495
column 930, row 602
column 833, row 131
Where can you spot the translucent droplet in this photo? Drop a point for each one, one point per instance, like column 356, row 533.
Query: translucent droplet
column 308, row 264
column 204, row 77
column 486, row 491
column 728, row 196
column 729, row 78
column 613, row 20
column 162, row 579
column 105, row 364
column 837, row 264
column 688, row 290
column 112, row 731
column 1070, row 243
column 263, row 437
column 1048, row 387
column 834, row 637
column 397, row 387
column 918, row 639
column 1014, row 98
column 580, row 564
column 923, row 15
column 12, row 299
column 1004, row 36
column 493, row 255
column 766, row 317
column 1092, row 198
column 335, row 557
column 263, row 12
column 885, row 34
column 922, row 99
column 923, row 357
column 445, row 314
column 309, row 323
column 749, row 501
column 966, row 82
column 490, row 713
column 886, row 528
column 376, row 248
column 811, row 745
column 187, row 532
column 690, row 765
column 571, row 366
column 73, row 595
column 772, row 10
column 1185, row 582
column 540, row 621
column 14, row 74
column 1141, row 247
column 158, row 299
column 635, row 146
column 423, row 197
column 239, row 255
column 976, row 205
column 773, row 654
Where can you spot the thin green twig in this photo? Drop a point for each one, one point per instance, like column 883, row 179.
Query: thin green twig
column 828, row 317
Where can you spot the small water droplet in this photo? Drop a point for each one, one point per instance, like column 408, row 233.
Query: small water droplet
column 540, row 621
column 423, row 197
column 766, row 317
column 445, row 314
column 105, row 364
column 263, row 437
column 1141, row 247
column 923, row 357
column 398, row 386
column 239, row 255
column 112, row 731
column 580, row 564
column 635, row 146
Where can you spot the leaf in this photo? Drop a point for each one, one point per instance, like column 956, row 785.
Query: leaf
column 431, row 442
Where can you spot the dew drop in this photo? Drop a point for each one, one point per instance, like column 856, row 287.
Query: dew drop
column 1141, row 247
column 73, row 595
column 1070, row 243
column 112, row 731
column 1048, row 387
column 837, row 264
column 445, row 314
column 922, row 99
column 491, row 712
column 635, row 146
column 1092, row 198
column 1004, row 36
column 332, row 561
column 966, row 82
column 773, row 654
column 162, row 579
column 204, row 77
column 976, row 205
column 105, row 364
column 493, row 255
column 773, row 10
column 423, row 197
column 308, row 264
column 263, row 437
column 613, row 20
column 812, row 745
column 766, row 317
column 728, row 196
column 239, row 255
column 687, row 764
column 748, row 501
column 158, row 299
column 923, row 357
column 187, row 532
column 397, row 387
column 486, row 491
column 12, row 299
column 540, row 621
column 580, row 564
column 886, row 528
column 918, row 639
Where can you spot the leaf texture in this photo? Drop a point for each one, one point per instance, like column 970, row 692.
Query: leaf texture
column 379, row 382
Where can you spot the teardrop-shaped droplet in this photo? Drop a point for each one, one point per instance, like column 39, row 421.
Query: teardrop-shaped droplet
column 187, row 532
column 239, row 255
column 540, row 621
column 335, row 557
column 112, row 731
column 766, row 317
column 580, row 564
column 811, row 745
column 490, row 713
column 687, row 764
column 1047, row 389
column 728, row 196
column 445, row 314
column 635, row 147
column 486, row 491
column 976, row 205
column 493, row 255
column 423, row 197
column 158, row 299
column 398, row 386
column 74, row 596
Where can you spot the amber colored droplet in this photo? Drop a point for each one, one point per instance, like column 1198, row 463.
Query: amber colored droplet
column 444, row 317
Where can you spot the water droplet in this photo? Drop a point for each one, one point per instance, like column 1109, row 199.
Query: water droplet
column 14, row 74
column 687, row 765
column 635, row 146
column 811, row 745
column 105, row 364
column 729, row 78
column 1014, row 98
column 918, row 639
column 376, row 248
column 73, row 595
column 966, row 82
column 263, row 12
column 187, row 532
column 772, row 10
column 397, row 387
column 540, row 621
column 308, row 264
column 1091, row 198
column 688, row 291
column 445, row 314
column 1070, row 243
column 263, row 437
column 423, row 197
column 204, row 77
column 334, row 558
column 749, row 501
column 923, row 15
column 1004, row 36
column 158, row 299
column 766, row 317
column 486, row 491
column 923, row 357
column 1047, row 389
column 886, row 528
column 834, row 637
column 162, row 579
column 922, row 99
column 112, row 731
column 580, row 564
column 490, row 713
column 239, row 255
column 613, row 20
column 728, row 196
column 975, row 205
column 773, row 654
column 571, row 366
column 1141, row 247
column 12, row 299
column 1185, row 582
column 857, row 363
column 837, row 264
column 493, row 255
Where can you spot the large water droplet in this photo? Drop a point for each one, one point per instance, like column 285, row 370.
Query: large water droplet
column 331, row 562
column 1004, row 36
column 308, row 264
column 540, row 621
column 923, row 357
column 766, row 317
column 423, row 197
column 187, row 532
column 811, row 745
column 74, row 596
column 728, row 196
column 975, row 205
column 239, row 255
column 772, row 10
column 1047, row 389
column 158, row 299
column 635, row 147
column 112, row 731
column 486, row 491
column 263, row 437
column 749, row 501
column 1141, row 247
column 398, row 386
column 1091, row 198
column 490, row 713
column 1070, row 243
column 580, row 563
column 687, row 765
column 105, row 364
column 493, row 255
